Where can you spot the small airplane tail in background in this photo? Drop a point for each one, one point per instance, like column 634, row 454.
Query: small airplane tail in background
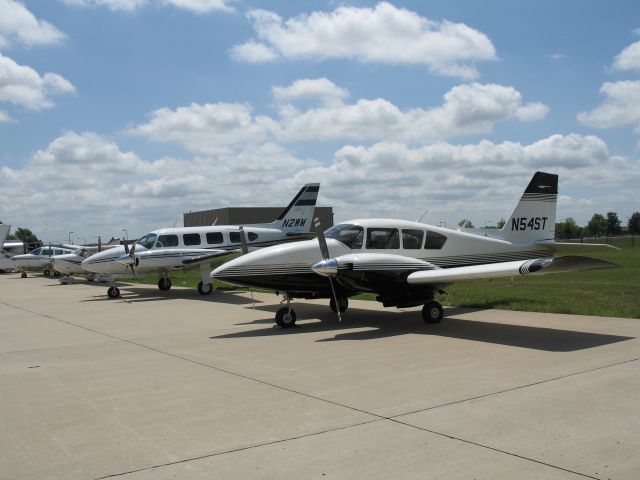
column 4, row 231
column 534, row 218
column 298, row 216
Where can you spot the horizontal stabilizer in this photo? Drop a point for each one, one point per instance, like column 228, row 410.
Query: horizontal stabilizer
column 581, row 247
column 508, row 269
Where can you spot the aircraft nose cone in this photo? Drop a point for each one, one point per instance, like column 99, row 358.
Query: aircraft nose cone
column 326, row 268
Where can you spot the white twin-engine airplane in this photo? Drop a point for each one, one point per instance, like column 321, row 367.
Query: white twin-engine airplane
column 406, row 263
column 189, row 247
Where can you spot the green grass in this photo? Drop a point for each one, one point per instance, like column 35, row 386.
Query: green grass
column 609, row 292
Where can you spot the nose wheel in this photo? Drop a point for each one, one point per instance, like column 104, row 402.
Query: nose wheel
column 205, row 288
column 113, row 292
column 286, row 316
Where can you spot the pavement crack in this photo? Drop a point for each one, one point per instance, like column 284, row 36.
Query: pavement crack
column 238, row 449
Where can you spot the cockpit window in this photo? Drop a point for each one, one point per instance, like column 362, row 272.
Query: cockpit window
column 350, row 235
column 383, row 238
column 148, row 240
column 35, row 251
column 412, row 239
column 434, row 241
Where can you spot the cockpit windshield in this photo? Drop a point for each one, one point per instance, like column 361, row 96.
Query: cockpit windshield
column 148, row 240
column 350, row 235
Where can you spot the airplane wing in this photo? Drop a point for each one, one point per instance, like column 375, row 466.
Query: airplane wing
column 538, row 266
column 207, row 256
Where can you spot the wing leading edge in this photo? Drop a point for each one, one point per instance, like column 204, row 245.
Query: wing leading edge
column 538, row 266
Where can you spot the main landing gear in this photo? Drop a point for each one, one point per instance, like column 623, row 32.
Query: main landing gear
column 343, row 304
column 432, row 312
column 164, row 284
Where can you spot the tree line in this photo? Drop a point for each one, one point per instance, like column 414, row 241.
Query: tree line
column 600, row 225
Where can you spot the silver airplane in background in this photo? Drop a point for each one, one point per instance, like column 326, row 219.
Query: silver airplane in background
column 169, row 249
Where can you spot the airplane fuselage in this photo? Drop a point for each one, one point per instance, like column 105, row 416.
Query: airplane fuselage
column 376, row 255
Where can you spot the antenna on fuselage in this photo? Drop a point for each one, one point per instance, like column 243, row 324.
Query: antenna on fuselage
column 423, row 215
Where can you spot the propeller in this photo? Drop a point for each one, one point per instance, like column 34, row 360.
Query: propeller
column 99, row 244
column 328, row 267
column 245, row 250
column 243, row 241
column 129, row 259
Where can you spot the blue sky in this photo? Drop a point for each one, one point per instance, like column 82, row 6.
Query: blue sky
column 126, row 113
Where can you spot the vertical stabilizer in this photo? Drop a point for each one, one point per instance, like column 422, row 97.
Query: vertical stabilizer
column 4, row 231
column 534, row 218
column 298, row 216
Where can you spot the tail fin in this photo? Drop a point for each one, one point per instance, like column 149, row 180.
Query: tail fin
column 4, row 231
column 298, row 216
column 534, row 218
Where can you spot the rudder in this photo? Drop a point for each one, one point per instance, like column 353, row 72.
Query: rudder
column 534, row 217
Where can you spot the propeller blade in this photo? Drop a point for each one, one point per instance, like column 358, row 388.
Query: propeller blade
column 126, row 247
column 327, row 267
column 99, row 244
column 133, row 249
column 335, row 299
column 324, row 249
column 243, row 241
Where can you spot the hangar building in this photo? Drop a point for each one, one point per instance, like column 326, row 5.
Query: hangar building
column 247, row 215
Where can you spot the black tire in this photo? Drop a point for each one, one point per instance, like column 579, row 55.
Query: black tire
column 47, row 272
column 56, row 274
column 23, row 275
column 205, row 288
column 113, row 292
column 164, row 284
column 343, row 303
column 432, row 312
column 286, row 317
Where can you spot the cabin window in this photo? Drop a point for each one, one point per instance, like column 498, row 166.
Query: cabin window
column 383, row 238
column 148, row 241
column 435, row 241
column 234, row 237
column 214, row 237
column 412, row 239
column 36, row 251
column 191, row 239
column 165, row 241
column 57, row 251
column 350, row 235
column 252, row 236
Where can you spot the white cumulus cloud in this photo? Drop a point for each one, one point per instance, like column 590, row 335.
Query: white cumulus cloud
column 628, row 59
column 621, row 106
column 197, row 6
column 382, row 34
column 22, row 85
column 468, row 109
column 204, row 129
column 19, row 25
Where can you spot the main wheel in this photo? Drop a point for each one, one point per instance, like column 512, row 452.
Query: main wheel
column 113, row 292
column 205, row 288
column 23, row 274
column 286, row 317
column 164, row 284
column 343, row 304
column 432, row 312
column 47, row 272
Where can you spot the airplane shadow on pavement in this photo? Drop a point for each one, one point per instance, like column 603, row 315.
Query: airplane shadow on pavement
column 381, row 324
column 132, row 294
